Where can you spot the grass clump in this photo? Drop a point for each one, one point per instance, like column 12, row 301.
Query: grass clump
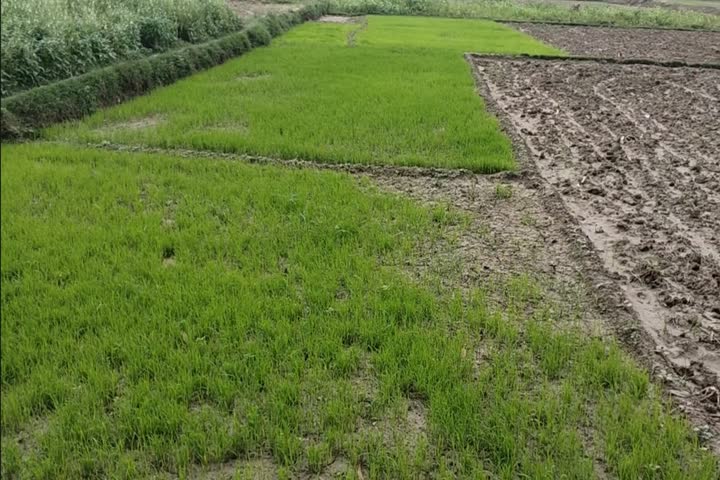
column 286, row 330
column 402, row 95
column 503, row 191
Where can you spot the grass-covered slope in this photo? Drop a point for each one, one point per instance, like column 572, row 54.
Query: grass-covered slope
column 396, row 91
column 166, row 316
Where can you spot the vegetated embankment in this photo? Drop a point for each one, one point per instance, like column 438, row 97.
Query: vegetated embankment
column 24, row 113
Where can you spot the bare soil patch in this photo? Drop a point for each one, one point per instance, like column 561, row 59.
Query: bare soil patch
column 632, row 151
column 250, row 9
column 339, row 19
column 609, row 42
column 136, row 124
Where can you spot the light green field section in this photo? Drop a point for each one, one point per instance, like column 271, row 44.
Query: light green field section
column 166, row 317
column 396, row 91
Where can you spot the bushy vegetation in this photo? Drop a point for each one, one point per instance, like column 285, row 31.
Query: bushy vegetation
column 49, row 40
column 533, row 11
column 402, row 94
column 164, row 316
column 75, row 97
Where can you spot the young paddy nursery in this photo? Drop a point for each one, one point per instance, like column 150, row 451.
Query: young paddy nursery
column 378, row 247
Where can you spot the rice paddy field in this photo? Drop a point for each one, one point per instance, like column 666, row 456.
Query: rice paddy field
column 171, row 309
column 386, row 90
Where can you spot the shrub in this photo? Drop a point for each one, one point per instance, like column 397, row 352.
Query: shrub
column 49, row 40
column 75, row 97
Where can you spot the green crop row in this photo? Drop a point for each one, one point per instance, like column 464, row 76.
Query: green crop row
column 49, row 40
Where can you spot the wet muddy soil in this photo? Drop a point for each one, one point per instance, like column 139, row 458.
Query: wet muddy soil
column 609, row 42
column 632, row 151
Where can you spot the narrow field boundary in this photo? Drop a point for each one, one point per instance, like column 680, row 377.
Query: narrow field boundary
column 352, row 36
column 613, row 61
column 352, row 168
column 339, row 11
column 603, row 25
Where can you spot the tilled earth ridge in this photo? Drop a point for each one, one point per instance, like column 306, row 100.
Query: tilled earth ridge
column 633, row 152
column 628, row 43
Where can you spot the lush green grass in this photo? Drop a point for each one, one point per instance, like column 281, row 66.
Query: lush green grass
column 163, row 315
column 403, row 95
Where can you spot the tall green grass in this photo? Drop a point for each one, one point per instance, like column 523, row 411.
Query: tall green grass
column 163, row 316
column 49, row 40
column 402, row 95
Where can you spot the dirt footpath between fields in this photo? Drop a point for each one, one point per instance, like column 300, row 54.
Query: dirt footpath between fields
column 633, row 151
column 628, row 43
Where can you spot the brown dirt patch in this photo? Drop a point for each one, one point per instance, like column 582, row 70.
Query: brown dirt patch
column 247, row 9
column 632, row 151
column 339, row 19
column 150, row 121
column 659, row 45
column 256, row 469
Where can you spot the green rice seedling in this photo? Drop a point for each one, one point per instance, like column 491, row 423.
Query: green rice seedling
column 285, row 336
column 403, row 95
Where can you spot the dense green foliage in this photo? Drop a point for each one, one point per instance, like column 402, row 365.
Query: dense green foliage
column 82, row 95
column 401, row 94
column 48, row 40
column 166, row 315
column 538, row 11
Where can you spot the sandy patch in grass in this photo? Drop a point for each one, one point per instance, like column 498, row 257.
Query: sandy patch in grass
column 339, row 19
column 142, row 123
column 250, row 9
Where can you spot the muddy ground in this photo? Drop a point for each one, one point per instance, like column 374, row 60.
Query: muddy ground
column 632, row 151
column 610, row 42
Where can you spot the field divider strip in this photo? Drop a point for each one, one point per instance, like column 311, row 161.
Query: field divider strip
column 601, row 25
column 351, row 168
column 613, row 61
column 352, row 35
